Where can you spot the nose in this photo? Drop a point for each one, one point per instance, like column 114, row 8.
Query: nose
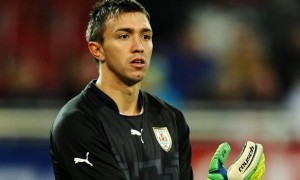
column 137, row 45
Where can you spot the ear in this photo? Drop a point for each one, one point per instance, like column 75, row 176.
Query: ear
column 96, row 49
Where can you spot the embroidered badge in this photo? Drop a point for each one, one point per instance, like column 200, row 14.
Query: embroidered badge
column 163, row 138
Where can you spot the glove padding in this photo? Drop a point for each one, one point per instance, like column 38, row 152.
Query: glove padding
column 250, row 165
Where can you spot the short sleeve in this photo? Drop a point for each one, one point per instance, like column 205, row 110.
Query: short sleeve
column 79, row 149
column 185, row 154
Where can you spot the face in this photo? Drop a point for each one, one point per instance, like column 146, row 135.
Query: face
column 127, row 48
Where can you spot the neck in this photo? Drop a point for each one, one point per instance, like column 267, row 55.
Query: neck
column 126, row 97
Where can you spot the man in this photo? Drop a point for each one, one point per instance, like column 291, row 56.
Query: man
column 113, row 129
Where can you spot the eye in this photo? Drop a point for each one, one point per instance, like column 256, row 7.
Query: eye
column 146, row 36
column 124, row 36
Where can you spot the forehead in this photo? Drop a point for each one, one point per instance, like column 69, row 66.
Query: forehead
column 134, row 20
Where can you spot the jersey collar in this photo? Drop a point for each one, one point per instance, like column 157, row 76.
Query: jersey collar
column 91, row 90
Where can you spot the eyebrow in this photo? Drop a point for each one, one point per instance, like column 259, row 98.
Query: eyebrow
column 131, row 30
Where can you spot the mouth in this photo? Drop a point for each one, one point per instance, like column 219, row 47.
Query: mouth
column 138, row 62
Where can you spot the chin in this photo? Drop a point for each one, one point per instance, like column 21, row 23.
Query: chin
column 135, row 80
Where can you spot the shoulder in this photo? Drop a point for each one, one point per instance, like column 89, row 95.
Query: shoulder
column 156, row 105
column 73, row 117
column 157, row 102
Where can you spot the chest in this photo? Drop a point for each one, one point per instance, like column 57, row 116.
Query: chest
column 143, row 146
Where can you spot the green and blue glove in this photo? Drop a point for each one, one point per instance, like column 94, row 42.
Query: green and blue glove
column 250, row 165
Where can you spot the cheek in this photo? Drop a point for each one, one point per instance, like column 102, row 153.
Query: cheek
column 150, row 54
column 149, row 49
column 114, row 52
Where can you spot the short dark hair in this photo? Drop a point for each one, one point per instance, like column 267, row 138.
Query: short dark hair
column 104, row 10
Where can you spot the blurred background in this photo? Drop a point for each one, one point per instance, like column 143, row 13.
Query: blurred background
column 232, row 67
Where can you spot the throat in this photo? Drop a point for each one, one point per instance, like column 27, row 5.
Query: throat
column 135, row 113
column 132, row 108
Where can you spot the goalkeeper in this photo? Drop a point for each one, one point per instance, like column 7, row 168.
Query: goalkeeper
column 250, row 165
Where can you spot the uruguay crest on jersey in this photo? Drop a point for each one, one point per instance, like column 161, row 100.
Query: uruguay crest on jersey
column 163, row 138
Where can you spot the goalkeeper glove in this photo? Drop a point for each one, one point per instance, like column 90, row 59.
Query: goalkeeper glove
column 250, row 165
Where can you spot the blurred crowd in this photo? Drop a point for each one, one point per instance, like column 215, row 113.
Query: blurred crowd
column 209, row 50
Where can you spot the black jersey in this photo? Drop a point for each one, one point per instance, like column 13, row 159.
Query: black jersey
column 90, row 139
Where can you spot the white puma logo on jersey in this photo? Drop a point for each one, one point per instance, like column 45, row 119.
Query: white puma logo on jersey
column 79, row 160
column 138, row 133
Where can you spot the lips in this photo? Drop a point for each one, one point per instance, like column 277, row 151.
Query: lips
column 138, row 63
